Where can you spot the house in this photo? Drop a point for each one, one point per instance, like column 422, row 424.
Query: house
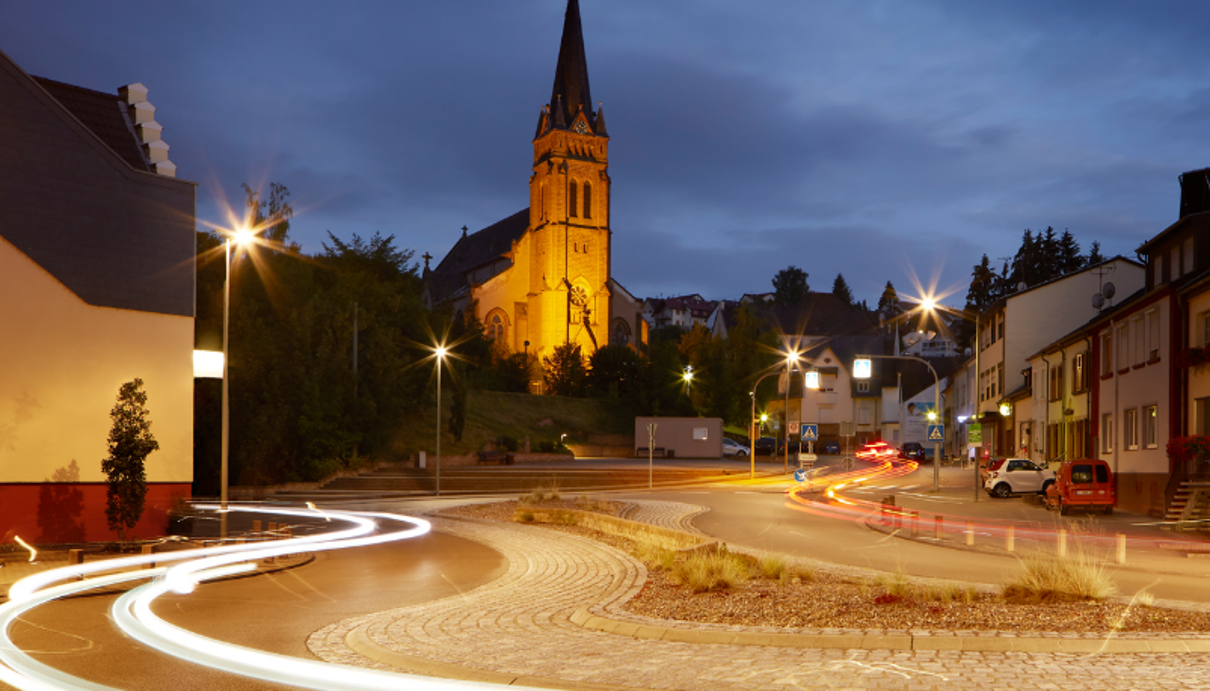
column 1010, row 332
column 683, row 311
column 97, row 249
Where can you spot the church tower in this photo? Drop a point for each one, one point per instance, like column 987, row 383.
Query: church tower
column 569, row 267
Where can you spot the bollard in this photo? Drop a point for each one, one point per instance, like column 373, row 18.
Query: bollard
column 970, row 534
column 241, row 540
column 1062, row 543
column 75, row 556
column 256, row 527
column 915, row 524
column 272, row 530
column 938, row 527
column 1009, row 539
column 148, row 549
column 1121, row 548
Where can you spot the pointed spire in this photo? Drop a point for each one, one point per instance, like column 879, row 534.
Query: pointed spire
column 571, row 74
column 599, row 127
column 557, row 104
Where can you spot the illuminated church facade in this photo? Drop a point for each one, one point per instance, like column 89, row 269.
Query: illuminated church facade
column 541, row 278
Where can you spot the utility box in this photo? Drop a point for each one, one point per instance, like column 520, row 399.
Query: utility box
column 680, row 437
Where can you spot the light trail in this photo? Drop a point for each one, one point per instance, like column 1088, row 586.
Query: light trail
column 132, row 611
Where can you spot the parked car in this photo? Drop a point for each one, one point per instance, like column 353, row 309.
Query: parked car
column 877, row 451
column 913, row 450
column 1085, row 484
column 831, row 447
column 1018, row 476
column 766, row 446
column 988, row 466
column 733, row 448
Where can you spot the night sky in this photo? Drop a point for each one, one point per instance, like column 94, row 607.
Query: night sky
column 881, row 140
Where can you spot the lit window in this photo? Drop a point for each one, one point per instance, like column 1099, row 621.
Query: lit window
column 495, row 328
column 1130, row 429
column 1151, row 427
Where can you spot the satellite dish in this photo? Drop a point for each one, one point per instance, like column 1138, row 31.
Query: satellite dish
column 1108, row 291
column 1097, row 301
column 1021, row 287
column 968, row 352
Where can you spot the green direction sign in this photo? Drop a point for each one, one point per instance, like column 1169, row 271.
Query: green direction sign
column 974, row 434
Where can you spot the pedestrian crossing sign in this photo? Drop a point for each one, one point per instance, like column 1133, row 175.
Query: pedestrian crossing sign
column 936, row 433
column 810, row 432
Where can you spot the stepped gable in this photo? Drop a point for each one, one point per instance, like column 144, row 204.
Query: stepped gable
column 104, row 114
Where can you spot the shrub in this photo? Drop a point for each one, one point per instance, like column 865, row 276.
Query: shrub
column 703, row 572
column 1045, row 577
column 523, row 516
column 653, row 553
column 773, row 567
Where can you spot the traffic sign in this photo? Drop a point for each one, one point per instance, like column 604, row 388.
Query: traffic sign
column 800, row 475
column 936, row 433
column 810, row 432
column 807, row 458
column 793, row 428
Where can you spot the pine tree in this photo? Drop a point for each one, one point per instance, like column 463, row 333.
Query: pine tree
column 1069, row 258
column 889, row 302
column 984, row 288
column 130, row 443
column 841, row 290
column 1048, row 256
column 1094, row 254
column 790, row 286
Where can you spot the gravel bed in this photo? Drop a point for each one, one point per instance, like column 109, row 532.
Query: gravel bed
column 823, row 600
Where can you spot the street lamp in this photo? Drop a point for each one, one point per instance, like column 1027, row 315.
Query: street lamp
column 241, row 236
column 931, row 306
column 440, row 353
column 688, row 377
column 791, row 357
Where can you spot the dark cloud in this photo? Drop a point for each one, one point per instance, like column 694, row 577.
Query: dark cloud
column 878, row 140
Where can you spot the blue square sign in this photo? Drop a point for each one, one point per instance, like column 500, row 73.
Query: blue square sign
column 936, row 433
column 810, row 432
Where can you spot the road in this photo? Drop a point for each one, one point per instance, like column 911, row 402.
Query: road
column 272, row 612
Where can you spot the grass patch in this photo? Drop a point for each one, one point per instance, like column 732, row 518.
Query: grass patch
column 709, row 571
column 1044, row 578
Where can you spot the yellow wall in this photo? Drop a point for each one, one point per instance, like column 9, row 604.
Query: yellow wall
column 63, row 361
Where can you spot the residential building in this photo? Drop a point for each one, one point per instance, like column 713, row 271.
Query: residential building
column 97, row 253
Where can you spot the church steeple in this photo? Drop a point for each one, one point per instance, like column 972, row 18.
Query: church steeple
column 570, row 92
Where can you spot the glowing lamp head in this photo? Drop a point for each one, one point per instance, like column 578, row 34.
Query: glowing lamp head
column 812, row 380
column 440, row 352
column 928, row 304
column 1006, row 409
column 932, row 416
column 243, row 236
column 764, row 417
column 863, row 368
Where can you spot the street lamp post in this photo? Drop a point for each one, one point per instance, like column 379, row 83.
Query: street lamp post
column 931, row 306
column 440, row 352
column 752, row 427
column 241, row 237
column 790, row 357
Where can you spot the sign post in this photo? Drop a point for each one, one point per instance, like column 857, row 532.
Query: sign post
column 650, row 451
column 974, row 437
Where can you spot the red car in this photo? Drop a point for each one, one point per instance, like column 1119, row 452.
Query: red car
column 878, row 451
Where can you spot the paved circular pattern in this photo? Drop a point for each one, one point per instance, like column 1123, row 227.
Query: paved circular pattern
column 519, row 629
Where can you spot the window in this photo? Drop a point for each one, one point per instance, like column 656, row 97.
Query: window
column 999, row 378
column 1204, row 322
column 1056, row 383
column 1156, row 265
column 1188, row 251
column 1000, row 327
column 1153, row 335
column 1079, row 373
column 1174, row 263
column 1107, row 432
column 571, row 200
column 863, row 387
column 863, row 416
column 1151, row 427
column 1140, row 340
column 1081, row 473
column 1130, row 429
column 1123, row 338
column 1106, row 354
column 701, row 433
column 587, row 200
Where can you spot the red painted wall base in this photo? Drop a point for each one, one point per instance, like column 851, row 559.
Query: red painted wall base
column 68, row 512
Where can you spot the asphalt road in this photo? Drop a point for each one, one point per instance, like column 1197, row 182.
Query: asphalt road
column 272, row 612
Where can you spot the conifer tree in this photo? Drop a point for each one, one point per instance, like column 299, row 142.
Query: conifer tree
column 840, row 289
column 130, row 443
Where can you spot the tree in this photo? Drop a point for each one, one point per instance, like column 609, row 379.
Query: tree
column 272, row 214
column 1069, row 258
column 840, row 289
column 1094, row 254
column 984, row 286
column 614, row 370
column 564, row 371
column 889, row 302
column 130, row 443
column 790, row 286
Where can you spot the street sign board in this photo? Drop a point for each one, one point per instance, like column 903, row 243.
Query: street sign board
column 974, row 434
column 807, row 458
column 936, row 433
column 793, row 428
column 810, row 432
column 800, row 475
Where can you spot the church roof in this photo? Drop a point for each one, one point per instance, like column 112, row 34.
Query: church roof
column 571, row 91
column 474, row 250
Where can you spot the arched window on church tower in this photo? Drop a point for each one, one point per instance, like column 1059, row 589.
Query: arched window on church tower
column 571, row 200
column 587, row 200
column 497, row 326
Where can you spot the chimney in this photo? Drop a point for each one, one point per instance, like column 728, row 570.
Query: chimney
column 1195, row 192
column 142, row 116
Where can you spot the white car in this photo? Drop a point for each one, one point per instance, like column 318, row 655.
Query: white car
column 733, row 448
column 1018, row 476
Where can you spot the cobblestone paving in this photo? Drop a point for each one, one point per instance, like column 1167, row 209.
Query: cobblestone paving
column 518, row 627
column 667, row 514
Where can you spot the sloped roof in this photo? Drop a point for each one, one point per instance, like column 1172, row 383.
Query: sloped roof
column 475, row 250
column 104, row 114
column 819, row 314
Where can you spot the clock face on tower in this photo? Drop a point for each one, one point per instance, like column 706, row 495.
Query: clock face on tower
column 579, row 296
column 581, row 127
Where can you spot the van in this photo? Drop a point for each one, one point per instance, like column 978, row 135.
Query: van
column 1085, row 484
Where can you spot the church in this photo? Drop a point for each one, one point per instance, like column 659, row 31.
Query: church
column 540, row 278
